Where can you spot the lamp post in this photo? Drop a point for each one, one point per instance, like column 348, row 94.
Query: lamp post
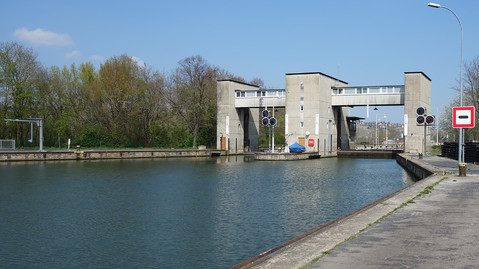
column 377, row 138
column 386, row 117
column 461, row 132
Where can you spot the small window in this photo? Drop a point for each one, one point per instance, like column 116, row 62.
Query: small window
column 238, row 94
column 301, row 98
column 301, row 87
column 301, row 124
column 243, row 94
column 301, row 108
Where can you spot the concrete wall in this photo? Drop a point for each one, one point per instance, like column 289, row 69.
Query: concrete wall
column 20, row 155
column 230, row 121
column 313, row 92
column 412, row 166
column 417, row 94
column 371, row 99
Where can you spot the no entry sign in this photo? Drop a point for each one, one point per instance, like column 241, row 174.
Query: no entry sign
column 463, row 117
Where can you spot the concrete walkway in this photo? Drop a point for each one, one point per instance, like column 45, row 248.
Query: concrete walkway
column 411, row 229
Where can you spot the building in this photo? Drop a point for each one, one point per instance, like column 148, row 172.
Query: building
column 316, row 107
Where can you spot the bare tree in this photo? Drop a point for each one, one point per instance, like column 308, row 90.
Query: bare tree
column 192, row 90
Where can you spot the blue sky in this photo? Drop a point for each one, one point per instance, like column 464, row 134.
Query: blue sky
column 369, row 42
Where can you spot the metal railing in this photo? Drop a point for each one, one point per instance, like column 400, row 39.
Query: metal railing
column 395, row 89
column 7, row 144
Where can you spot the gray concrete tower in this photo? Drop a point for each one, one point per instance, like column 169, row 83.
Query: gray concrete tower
column 417, row 94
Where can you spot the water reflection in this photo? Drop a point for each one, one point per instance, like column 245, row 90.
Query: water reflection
column 190, row 213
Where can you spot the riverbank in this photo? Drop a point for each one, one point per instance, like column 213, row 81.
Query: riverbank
column 30, row 155
column 356, row 239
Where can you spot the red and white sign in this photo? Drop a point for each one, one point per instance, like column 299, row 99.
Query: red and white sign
column 463, row 117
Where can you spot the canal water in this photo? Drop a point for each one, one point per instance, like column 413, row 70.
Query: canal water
column 175, row 213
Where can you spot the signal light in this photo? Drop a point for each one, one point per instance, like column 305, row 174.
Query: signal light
column 420, row 120
column 265, row 113
column 272, row 121
column 421, row 111
column 265, row 121
column 429, row 120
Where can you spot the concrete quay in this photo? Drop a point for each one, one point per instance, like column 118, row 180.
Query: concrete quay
column 433, row 223
column 262, row 156
column 50, row 155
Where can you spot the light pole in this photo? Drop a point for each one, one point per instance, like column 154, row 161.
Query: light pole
column 386, row 117
column 461, row 134
column 377, row 138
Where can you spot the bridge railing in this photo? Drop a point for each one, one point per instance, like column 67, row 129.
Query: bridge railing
column 260, row 93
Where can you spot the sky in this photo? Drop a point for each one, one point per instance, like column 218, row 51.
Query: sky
column 365, row 43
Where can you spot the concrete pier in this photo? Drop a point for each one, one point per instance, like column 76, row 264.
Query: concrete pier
column 430, row 224
column 260, row 156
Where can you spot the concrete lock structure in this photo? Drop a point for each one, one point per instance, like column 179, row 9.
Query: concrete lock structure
column 316, row 111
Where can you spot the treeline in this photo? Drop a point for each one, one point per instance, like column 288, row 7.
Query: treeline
column 122, row 104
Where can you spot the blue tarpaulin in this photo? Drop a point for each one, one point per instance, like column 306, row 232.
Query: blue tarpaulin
column 296, row 148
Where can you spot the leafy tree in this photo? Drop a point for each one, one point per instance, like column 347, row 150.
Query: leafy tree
column 20, row 77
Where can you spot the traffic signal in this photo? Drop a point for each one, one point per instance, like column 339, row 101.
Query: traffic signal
column 420, row 111
column 421, row 115
column 420, row 120
column 272, row 121
column 265, row 113
column 429, row 120
column 265, row 120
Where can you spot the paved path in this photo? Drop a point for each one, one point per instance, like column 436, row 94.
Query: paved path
column 439, row 229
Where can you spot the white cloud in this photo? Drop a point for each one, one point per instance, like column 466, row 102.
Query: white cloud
column 96, row 58
column 74, row 54
column 138, row 61
column 42, row 37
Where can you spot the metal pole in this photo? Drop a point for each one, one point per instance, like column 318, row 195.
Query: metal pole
column 437, row 126
column 461, row 131
column 377, row 138
column 272, row 140
column 386, row 117
column 425, row 135
column 40, row 125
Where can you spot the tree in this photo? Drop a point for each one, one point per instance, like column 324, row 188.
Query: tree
column 20, row 77
column 471, row 93
column 471, row 98
column 258, row 82
column 193, row 91
column 115, row 96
